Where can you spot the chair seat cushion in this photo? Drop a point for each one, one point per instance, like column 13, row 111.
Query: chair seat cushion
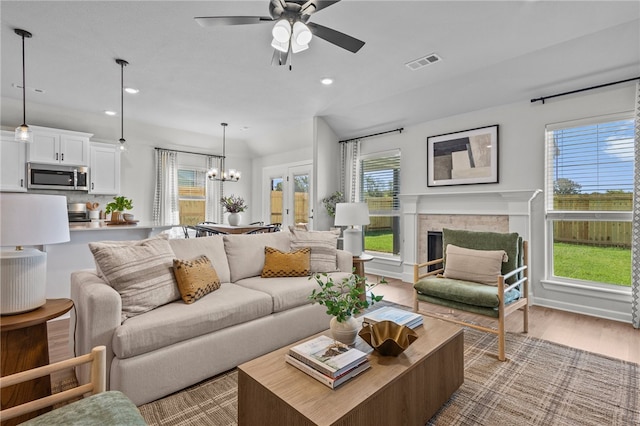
column 467, row 292
column 106, row 408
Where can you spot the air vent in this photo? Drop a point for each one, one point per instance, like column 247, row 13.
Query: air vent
column 31, row 89
column 424, row 61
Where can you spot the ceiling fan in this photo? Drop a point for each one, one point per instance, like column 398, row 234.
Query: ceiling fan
column 292, row 30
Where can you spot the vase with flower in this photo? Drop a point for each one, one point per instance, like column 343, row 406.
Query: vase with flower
column 234, row 205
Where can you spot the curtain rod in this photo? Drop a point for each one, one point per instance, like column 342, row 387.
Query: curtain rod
column 583, row 90
column 188, row 152
column 374, row 134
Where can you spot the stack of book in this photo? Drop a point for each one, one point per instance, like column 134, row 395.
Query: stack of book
column 328, row 361
column 399, row 316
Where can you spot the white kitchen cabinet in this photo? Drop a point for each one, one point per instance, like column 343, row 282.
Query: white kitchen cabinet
column 104, row 168
column 55, row 146
column 13, row 156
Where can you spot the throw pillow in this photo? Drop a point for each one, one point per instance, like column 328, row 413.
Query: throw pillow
column 196, row 278
column 481, row 266
column 139, row 271
column 324, row 248
column 282, row 264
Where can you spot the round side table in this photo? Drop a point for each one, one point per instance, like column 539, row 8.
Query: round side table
column 25, row 346
column 358, row 264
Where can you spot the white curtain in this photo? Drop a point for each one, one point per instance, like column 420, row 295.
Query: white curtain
column 635, row 245
column 165, row 204
column 214, row 192
column 350, row 170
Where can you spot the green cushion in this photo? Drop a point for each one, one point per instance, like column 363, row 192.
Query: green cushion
column 466, row 292
column 490, row 312
column 106, row 408
column 511, row 243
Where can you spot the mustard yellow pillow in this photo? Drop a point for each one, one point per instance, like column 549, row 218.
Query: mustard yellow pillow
column 196, row 278
column 277, row 263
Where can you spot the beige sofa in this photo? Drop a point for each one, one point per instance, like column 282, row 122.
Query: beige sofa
column 177, row 345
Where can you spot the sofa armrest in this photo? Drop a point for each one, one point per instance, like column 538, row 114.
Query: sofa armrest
column 95, row 318
column 345, row 261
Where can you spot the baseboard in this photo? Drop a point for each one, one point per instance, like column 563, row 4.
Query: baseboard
column 581, row 309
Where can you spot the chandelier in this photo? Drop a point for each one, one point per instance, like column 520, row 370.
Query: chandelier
column 223, row 175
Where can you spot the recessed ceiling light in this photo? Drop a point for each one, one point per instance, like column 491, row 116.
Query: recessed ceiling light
column 131, row 90
column 326, row 81
column 110, row 112
column 244, row 128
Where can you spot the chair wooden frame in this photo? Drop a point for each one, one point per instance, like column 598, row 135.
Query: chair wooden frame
column 97, row 358
column 503, row 311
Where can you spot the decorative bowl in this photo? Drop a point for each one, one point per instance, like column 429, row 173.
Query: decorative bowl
column 387, row 337
column 128, row 217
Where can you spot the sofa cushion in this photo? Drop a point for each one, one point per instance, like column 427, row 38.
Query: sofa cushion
column 212, row 247
column 466, row 292
column 141, row 272
column 481, row 266
column 323, row 244
column 290, row 264
column 195, row 278
column 245, row 253
column 287, row 292
column 177, row 321
column 511, row 243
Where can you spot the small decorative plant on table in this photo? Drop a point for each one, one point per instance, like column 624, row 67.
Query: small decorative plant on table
column 234, row 205
column 343, row 300
column 117, row 206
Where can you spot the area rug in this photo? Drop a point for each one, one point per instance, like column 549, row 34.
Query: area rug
column 542, row 383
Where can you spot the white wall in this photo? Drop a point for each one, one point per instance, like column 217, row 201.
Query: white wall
column 326, row 171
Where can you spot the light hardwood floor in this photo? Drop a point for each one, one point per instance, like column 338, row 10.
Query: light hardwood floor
column 611, row 338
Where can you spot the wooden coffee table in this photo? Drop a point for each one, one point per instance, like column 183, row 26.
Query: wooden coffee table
column 403, row 390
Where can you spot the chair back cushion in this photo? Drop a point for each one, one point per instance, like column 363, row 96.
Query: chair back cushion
column 481, row 266
column 511, row 243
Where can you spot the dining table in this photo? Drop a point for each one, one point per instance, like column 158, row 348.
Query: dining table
column 231, row 229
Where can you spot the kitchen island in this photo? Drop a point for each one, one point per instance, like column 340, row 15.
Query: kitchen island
column 62, row 259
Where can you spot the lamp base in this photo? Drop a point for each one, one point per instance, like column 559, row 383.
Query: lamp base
column 23, row 284
column 353, row 241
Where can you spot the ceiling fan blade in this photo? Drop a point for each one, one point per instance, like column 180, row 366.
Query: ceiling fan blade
column 214, row 21
column 313, row 6
column 336, row 37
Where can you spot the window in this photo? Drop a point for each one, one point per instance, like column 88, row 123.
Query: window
column 379, row 188
column 191, row 196
column 589, row 182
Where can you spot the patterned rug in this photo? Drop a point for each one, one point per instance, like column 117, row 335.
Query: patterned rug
column 542, row 383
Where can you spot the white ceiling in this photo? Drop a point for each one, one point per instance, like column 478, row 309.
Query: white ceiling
column 193, row 78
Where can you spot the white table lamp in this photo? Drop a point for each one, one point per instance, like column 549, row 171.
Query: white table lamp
column 28, row 220
column 352, row 214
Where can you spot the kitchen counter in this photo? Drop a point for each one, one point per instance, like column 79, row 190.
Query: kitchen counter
column 103, row 225
column 64, row 258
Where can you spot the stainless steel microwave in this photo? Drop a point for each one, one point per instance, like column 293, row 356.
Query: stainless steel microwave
column 52, row 176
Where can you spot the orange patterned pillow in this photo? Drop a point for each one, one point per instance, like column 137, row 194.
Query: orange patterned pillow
column 282, row 264
column 196, row 278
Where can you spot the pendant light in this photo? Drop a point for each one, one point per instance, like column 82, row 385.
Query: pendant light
column 122, row 141
column 23, row 132
column 232, row 175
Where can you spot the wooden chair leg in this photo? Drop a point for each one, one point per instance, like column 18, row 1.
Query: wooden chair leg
column 525, row 318
column 501, row 339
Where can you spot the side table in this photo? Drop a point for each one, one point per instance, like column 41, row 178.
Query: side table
column 358, row 264
column 24, row 346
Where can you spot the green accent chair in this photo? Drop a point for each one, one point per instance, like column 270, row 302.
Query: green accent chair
column 508, row 295
column 100, row 408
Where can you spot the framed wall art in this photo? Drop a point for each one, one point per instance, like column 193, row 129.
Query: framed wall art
column 463, row 158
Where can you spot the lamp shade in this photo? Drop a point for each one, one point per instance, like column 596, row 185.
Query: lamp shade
column 350, row 214
column 33, row 219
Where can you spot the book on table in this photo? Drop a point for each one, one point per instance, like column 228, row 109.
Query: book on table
column 328, row 356
column 399, row 316
column 332, row 382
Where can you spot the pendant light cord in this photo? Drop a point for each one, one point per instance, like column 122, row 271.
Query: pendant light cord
column 121, row 100
column 24, row 88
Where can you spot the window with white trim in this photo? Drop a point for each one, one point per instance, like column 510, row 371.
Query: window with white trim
column 380, row 188
column 589, row 187
column 192, row 195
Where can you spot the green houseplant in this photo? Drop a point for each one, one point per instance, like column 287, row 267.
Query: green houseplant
column 343, row 301
column 331, row 201
column 117, row 206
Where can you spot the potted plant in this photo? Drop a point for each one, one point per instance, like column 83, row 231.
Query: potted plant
column 343, row 300
column 331, row 201
column 117, row 206
column 234, row 205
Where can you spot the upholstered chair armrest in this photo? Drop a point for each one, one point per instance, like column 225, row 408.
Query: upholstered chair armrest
column 345, row 261
column 95, row 318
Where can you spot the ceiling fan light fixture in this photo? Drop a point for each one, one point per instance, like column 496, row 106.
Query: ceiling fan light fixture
column 282, row 47
column 301, row 33
column 282, row 31
column 295, row 47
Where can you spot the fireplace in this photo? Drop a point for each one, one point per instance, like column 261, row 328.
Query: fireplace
column 434, row 249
